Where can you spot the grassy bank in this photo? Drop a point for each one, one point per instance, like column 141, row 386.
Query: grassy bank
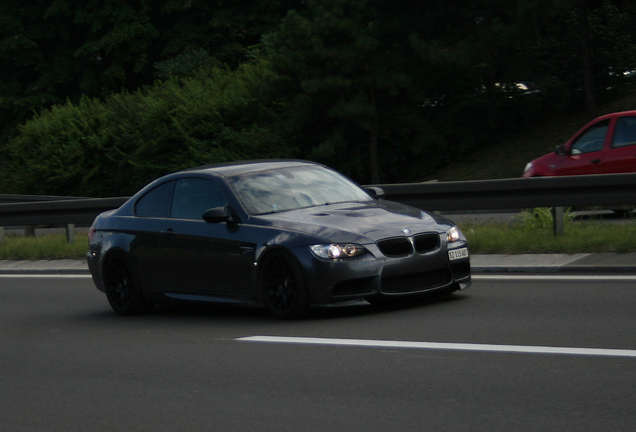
column 53, row 246
column 579, row 237
column 490, row 238
column 506, row 159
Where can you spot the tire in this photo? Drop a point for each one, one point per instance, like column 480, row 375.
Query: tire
column 283, row 286
column 122, row 288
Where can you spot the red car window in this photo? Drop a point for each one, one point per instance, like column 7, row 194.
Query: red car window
column 625, row 132
column 621, row 157
column 591, row 140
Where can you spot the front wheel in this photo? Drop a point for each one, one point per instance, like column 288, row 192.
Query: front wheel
column 122, row 289
column 283, row 287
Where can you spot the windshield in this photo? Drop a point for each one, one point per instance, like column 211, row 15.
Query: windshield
column 294, row 188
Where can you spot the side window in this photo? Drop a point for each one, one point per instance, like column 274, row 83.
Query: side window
column 625, row 132
column 591, row 140
column 155, row 203
column 193, row 196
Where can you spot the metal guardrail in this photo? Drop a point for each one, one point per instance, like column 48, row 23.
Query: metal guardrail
column 608, row 190
column 47, row 211
column 12, row 198
column 594, row 190
column 56, row 212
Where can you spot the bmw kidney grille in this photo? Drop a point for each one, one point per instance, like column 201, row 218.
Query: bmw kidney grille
column 403, row 246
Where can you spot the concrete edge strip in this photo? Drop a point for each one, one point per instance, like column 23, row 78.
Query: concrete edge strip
column 554, row 277
column 45, row 276
column 576, row 257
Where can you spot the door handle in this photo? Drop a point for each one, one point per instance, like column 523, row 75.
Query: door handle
column 167, row 231
column 595, row 161
column 247, row 249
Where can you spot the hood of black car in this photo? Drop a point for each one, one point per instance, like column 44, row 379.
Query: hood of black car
column 357, row 222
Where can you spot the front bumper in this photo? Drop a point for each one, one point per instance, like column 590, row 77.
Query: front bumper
column 332, row 281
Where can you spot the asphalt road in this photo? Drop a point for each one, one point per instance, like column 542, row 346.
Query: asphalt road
column 67, row 363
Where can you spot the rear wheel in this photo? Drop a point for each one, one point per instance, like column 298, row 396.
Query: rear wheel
column 122, row 288
column 283, row 287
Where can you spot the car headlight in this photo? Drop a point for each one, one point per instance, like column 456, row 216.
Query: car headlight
column 336, row 251
column 528, row 167
column 453, row 235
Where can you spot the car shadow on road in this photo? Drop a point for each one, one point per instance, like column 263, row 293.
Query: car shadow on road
column 364, row 308
column 229, row 312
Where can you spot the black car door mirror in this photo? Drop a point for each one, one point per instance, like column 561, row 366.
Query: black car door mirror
column 377, row 192
column 560, row 150
column 217, row 215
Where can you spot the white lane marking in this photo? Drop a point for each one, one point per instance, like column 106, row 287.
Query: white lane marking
column 555, row 277
column 44, row 276
column 443, row 346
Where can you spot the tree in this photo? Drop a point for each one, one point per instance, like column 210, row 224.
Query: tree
column 53, row 51
column 412, row 81
column 583, row 49
column 131, row 138
column 345, row 66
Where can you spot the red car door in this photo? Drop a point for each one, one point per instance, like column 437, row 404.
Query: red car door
column 620, row 157
column 584, row 152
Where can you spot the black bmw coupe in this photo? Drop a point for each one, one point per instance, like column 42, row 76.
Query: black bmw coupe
column 282, row 234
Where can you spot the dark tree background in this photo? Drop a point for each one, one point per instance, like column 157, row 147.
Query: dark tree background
column 384, row 91
column 52, row 51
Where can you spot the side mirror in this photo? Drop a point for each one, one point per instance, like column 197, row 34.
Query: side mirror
column 560, row 150
column 218, row 215
column 377, row 192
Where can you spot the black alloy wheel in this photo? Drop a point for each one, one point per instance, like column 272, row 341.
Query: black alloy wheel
column 283, row 286
column 122, row 290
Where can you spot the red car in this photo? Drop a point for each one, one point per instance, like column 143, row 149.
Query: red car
column 606, row 145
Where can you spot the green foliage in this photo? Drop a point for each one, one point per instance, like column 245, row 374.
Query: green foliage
column 385, row 92
column 580, row 237
column 114, row 147
column 55, row 51
column 184, row 65
column 392, row 92
column 557, row 53
column 51, row 246
column 541, row 218
column 348, row 71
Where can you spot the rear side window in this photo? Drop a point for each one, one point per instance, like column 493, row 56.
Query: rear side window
column 155, row 203
column 625, row 132
column 193, row 196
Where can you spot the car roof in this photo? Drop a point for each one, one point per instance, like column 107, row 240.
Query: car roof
column 241, row 167
column 616, row 114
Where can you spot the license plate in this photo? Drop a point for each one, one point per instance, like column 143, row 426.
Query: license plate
column 457, row 253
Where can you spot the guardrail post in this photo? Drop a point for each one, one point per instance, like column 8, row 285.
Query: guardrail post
column 70, row 233
column 558, row 216
column 29, row 231
column 1, row 234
